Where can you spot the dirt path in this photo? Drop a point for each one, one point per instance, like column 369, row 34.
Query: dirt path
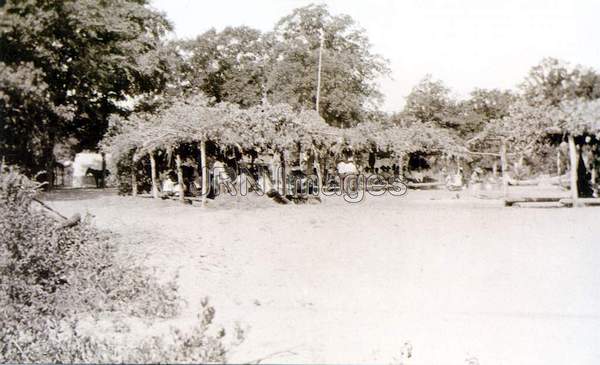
column 344, row 282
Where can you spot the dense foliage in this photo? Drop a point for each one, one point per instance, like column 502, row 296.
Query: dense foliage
column 349, row 68
column 66, row 66
column 54, row 276
column 270, row 129
column 246, row 67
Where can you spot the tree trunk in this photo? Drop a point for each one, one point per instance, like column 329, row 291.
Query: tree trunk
column 153, row 176
column 49, row 166
column 504, row 168
column 558, row 164
column 180, row 177
column 204, row 168
column 134, row 190
column 573, row 158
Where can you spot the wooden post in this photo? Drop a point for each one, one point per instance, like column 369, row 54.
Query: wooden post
column 324, row 172
column 573, row 158
column 273, row 172
column 153, row 175
column 594, row 176
column 103, row 174
column 558, row 166
column 204, row 168
column 283, row 174
column 134, row 177
column 180, row 178
column 317, row 166
column 504, row 168
column 593, row 171
column 401, row 165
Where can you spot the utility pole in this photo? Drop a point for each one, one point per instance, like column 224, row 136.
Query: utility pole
column 315, row 153
column 319, row 70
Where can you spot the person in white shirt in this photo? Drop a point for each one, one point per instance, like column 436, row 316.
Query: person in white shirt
column 347, row 168
column 168, row 185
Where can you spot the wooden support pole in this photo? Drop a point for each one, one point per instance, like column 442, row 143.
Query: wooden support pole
column 103, row 173
column 573, row 158
column 134, row 190
column 317, row 166
column 401, row 158
column 153, row 176
column 181, row 191
column 204, row 168
column 593, row 170
column 324, row 165
column 273, row 172
column 283, row 174
column 504, row 168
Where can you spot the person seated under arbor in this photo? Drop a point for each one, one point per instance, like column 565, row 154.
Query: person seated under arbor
column 347, row 168
column 169, row 186
column 195, row 184
column 456, row 181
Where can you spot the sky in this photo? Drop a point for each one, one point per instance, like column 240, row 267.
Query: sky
column 466, row 44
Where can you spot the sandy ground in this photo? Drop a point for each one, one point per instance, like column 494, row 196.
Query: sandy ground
column 351, row 283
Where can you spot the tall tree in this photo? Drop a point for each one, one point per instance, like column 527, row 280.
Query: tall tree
column 349, row 68
column 553, row 81
column 482, row 107
column 67, row 65
column 227, row 65
column 430, row 102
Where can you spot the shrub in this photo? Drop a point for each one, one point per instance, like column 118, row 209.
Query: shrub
column 51, row 274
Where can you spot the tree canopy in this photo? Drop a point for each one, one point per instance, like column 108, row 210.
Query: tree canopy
column 349, row 67
column 241, row 65
column 228, row 66
column 66, row 66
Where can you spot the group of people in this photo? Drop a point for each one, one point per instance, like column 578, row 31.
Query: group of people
column 222, row 171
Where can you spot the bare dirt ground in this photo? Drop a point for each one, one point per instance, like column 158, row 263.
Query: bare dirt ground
column 351, row 283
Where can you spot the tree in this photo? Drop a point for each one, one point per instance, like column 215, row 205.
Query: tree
column 482, row 107
column 66, row 66
column 553, row 81
column 430, row 102
column 349, row 68
column 227, row 65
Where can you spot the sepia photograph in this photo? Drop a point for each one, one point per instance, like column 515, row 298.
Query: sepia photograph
column 395, row 182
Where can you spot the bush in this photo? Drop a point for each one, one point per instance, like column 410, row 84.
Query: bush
column 52, row 274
